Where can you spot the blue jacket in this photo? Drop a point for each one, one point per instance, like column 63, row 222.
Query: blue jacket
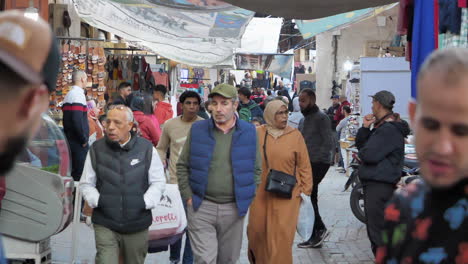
column 243, row 155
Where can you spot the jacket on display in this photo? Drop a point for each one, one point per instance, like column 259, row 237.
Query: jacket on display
column 450, row 17
column 382, row 151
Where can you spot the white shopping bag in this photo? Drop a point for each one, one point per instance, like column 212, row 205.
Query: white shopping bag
column 306, row 219
column 169, row 215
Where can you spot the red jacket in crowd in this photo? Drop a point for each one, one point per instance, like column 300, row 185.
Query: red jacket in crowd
column 258, row 98
column 147, row 128
column 339, row 115
column 163, row 112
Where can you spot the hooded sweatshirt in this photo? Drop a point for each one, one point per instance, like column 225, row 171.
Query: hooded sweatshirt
column 163, row 112
column 382, row 151
column 147, row 128
column 296, row 116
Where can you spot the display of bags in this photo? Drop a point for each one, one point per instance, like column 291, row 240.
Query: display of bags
column 169, row 217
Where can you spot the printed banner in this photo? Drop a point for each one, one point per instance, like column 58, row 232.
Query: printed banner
column 204, row 37
column 279, row 64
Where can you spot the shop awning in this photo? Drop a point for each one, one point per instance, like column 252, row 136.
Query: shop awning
column 310, row 28
column 306, row 9
column 261, row 36
column 202, row 34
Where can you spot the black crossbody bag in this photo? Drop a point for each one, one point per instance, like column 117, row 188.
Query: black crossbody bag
column 278, row 182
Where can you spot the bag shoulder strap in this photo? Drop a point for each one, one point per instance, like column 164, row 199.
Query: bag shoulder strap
column 266, row 157
column 295, row 163
column 264, row 148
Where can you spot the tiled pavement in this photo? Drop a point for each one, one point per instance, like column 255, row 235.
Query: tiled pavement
column 347, row 243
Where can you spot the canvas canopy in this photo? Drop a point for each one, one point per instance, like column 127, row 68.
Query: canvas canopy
column 306, row 9
column 197, row 33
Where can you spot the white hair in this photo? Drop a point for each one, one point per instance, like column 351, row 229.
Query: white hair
column 129, row 112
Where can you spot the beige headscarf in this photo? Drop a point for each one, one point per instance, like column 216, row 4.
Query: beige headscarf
column 269, row 116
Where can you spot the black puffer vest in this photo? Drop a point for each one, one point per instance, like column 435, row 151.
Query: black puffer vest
column 122, row 180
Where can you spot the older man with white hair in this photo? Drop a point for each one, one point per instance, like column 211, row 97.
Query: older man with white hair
column 75, row 122
column 123, row 180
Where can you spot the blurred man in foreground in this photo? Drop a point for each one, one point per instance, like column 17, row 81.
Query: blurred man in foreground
column 427, row 222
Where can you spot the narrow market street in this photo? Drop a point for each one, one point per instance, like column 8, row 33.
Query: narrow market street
column 347, row 243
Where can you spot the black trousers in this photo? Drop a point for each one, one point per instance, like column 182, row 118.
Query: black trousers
column 319, row 170
column 78, row 156
column 376, row 196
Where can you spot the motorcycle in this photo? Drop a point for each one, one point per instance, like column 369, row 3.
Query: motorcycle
column 410, row 172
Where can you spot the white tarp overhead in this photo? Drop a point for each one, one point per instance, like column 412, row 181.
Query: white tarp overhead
column 306, row 9
column 204, row 36
column 261, row 36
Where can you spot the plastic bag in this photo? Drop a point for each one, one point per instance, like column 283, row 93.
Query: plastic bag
column 169, row 217
column 306, row 219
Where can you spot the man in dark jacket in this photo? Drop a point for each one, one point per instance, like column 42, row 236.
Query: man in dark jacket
column 248, row 105
column 336, row 153
column 283, row 91
column 123, row 179
column 333, row 109
column 75, row 123
column 125, row 89
column 382, row 151
column 316, row 129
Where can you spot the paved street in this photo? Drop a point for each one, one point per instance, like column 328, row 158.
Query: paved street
column 347, row 243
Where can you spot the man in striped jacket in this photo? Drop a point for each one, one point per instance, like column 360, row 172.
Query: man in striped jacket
column 75, row 123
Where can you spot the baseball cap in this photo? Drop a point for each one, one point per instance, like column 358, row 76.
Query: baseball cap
column 225, row 90
column 29, row 48
column 385, row 98
column 335, row 97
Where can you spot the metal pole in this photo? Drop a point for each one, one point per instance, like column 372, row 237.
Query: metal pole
column 83, row 39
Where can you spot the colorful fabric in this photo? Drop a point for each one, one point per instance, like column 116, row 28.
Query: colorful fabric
column 452, row 40
column 424, row 37
column 462, row 3
column 426, row 225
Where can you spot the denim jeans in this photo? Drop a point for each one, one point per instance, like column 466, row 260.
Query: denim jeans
column 175, row 248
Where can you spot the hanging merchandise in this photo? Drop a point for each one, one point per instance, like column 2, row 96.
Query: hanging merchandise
column 453, row 40
column 76, row 54
column 424, row 37
column 161, row 77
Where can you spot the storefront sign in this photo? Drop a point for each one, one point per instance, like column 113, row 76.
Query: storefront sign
column 279, row 64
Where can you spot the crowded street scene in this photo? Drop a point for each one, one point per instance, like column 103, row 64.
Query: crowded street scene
column 233, row 132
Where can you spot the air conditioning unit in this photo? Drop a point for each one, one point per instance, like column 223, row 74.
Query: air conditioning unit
column 56, row 18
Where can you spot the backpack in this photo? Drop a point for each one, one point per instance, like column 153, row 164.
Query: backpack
column 245, row 113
